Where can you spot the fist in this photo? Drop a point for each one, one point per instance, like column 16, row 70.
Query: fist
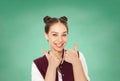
column 53, row 60
column 71, row 55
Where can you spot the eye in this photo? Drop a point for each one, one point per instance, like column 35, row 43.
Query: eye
column 54, row 34
column 64, row 35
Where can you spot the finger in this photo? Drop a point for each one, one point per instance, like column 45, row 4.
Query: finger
column 54, row 55
column 65, row 58
column 46, row 53
column 68, row 51
column 76, row 47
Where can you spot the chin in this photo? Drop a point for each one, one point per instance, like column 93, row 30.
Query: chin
column 59, row 49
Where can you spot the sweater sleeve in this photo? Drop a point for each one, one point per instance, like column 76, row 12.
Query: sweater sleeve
column 36, row 75
column 83, row 61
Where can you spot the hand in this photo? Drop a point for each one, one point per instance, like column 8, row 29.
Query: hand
column 71, row 56
column 53, row 61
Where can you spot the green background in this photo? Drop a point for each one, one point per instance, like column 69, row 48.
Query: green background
column 94, row 24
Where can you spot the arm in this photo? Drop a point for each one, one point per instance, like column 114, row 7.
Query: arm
column 51, row 73
column 84, row 65
column 51, row 70
column 80, row 69
column 79, row 65
column 53, row 63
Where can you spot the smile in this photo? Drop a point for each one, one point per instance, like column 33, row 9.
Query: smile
column 59, row 45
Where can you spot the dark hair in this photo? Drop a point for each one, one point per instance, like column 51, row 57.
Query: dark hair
column 50, row 21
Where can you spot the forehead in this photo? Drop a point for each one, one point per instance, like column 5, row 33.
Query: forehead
column 58, row 27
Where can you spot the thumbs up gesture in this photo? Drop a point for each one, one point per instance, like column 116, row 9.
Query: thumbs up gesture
column 53, row 60
column 71, row 55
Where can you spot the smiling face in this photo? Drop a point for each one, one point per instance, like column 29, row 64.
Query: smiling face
column 57, row 36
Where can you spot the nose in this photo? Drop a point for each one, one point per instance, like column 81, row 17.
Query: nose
column 60, row 39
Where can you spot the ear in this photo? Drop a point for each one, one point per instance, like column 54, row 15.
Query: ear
column 46, row 36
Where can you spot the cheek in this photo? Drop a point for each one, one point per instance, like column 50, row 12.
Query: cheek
column 52, row 40
column 65, row 39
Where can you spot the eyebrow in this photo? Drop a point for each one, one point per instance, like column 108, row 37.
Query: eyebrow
column 57, row 32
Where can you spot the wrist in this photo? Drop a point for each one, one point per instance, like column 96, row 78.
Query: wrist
column 76, row 62
column 51, row 67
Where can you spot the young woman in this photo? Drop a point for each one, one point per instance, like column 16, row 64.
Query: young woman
column 59, row 64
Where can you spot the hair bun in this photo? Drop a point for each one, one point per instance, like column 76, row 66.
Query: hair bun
column 46, row 19
column 64, row 18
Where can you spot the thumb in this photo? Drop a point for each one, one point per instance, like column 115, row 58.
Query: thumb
column 46, row 53
column 76, row 47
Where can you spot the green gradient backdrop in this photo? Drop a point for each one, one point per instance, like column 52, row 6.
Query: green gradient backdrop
column 93, row 24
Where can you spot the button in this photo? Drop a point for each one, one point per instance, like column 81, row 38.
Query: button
column 60, row 67
column 62, row 74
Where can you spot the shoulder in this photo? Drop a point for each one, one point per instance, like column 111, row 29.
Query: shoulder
column 41, row 61
column 84, row 64
column 83, row 60
column 81, row 55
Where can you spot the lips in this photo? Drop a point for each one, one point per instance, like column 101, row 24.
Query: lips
column 59, row 45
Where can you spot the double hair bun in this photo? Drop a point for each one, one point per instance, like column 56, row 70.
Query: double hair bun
column 48, row 18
